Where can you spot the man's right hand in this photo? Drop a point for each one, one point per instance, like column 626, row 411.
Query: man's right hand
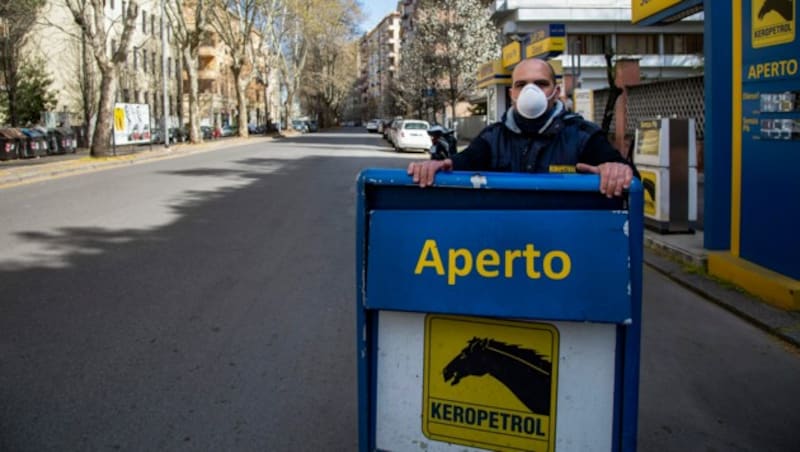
column 423, row 172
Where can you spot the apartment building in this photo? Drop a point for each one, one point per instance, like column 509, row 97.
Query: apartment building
column 217, row 89
column 57, row 40
column 379, row 54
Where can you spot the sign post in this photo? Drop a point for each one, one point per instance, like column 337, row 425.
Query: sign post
column 497, row 312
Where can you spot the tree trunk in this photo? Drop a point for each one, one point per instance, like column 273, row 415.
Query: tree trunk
column 241, row 100
column 194, row 105
column 241, row 96
column 88, row 91
column 102, row 132
column 613, row 93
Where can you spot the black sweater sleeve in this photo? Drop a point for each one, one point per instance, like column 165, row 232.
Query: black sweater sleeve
column 598, row 150
column 476, row 157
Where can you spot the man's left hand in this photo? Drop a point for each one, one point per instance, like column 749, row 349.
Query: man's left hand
column 614, row 176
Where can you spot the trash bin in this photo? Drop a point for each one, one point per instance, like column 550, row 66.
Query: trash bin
column 22, row 141
column 37, row 142
column 52, row 140
column 8, row 145
column 68, row 140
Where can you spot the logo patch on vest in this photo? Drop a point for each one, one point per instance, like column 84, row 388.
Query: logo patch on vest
column 562, row 168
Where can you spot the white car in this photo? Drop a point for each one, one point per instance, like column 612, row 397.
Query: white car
column 372, row 125
column 411, row 134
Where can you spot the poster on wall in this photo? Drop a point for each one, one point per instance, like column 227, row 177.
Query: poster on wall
column 131, row 123
column 583, row 102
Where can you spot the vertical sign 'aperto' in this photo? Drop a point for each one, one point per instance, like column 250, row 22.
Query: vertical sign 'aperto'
column 490, row 383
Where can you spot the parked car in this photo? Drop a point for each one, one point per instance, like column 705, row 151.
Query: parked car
column 207, row 132
column 228, row 131
column 372, row 125
column 299, row 125
column 412, row 134
column 312, row 125
column 387, row 127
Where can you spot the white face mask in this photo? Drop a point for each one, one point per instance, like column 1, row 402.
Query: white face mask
column 532, row 102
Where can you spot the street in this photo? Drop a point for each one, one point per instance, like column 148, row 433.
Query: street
column 208, row 303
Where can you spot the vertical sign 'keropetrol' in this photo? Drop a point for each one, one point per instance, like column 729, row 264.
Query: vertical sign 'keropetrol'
column 772, row 22
column 490, row 383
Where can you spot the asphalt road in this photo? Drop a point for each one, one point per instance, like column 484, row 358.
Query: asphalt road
column 208, row 303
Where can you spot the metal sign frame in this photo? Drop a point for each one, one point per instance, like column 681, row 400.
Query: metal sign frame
column 465, row 212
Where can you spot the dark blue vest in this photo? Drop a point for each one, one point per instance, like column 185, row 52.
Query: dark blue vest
column 561, row 144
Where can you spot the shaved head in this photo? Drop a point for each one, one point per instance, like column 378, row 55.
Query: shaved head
column 531, row 63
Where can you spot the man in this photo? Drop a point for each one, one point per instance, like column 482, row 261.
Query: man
column 536, row 135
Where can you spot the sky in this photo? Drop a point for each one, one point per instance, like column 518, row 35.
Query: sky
column 375, row 10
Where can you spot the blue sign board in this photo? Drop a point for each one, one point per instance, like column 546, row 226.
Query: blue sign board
column 539, row 269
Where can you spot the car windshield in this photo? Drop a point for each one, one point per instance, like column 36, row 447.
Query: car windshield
column 416, row 125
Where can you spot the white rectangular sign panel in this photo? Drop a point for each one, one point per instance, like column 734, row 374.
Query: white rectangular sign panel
column 131, row 123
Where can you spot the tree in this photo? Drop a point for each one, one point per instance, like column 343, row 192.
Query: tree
column 416, row 74
column 330, row 73
column 18, row 18
column 188, row 36
column 90, row 17
column 614, row 91
column 458, row 36
column 234, row 21
column 296, row 26
column 33, row 95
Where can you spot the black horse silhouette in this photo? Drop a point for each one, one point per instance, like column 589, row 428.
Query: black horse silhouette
column 782, row 7
column 525, row 372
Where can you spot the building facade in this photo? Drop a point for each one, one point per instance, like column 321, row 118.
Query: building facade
column 596, row 27
column 57, row 40
column 379, row 53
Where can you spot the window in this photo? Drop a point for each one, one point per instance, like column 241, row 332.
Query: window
column 144, row 22
column 153, row 59
column 135, row 59
column 113, row 46
column 144, row 60
column 126, row 95
column 153, row 24
column 637, row 44
column 586, row 44
column 675, row 44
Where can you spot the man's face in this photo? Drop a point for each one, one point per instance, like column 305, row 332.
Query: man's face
column 536, row 72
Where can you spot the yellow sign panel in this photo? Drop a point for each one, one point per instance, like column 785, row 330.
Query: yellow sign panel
column 642, row 9
column 493, row 73
column 490, row 383
column 773, row 22
column 512, row 54
column 546, row 47
column 650, row 184
column 119, row 119
column 649, row 137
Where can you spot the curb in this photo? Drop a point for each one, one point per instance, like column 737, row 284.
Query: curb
column 784, row 325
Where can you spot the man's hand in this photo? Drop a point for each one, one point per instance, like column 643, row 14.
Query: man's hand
column 423, row 172
column 614, row 177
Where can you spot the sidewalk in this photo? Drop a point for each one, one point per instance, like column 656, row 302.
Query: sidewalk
column 681, row 257
column 24, row 171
